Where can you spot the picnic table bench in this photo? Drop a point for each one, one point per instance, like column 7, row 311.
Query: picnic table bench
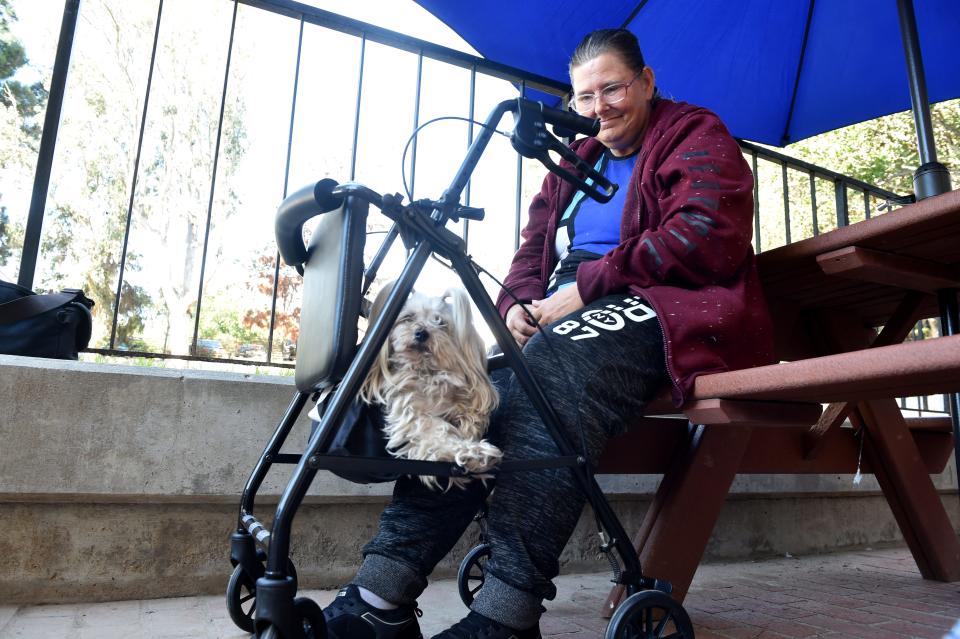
column 828, row 295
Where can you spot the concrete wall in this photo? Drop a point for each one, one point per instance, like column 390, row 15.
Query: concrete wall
column 123, row 482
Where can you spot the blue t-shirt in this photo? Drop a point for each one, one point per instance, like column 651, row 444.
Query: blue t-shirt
column 589, row 229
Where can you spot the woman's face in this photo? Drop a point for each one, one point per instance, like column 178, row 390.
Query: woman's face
column 621, row 124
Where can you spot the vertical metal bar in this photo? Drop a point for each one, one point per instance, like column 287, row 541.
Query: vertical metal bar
column 213, row 176
column 356, row 113
column 866, row 204
column 416, row 123
column 756, row 199
column 813, row 203
column 286, row 184
column 786, row 200
column 950, row 325
column 930, row 179
column 519, row 191
column 472, row 115
column 133, row 183
column 48, row 143
column 840, row 194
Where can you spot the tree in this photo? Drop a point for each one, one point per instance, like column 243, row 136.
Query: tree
column 882, row 152
column 287, row 317
column 20, row 108
column 6, row 236
column 28, row 100
column 90, row 191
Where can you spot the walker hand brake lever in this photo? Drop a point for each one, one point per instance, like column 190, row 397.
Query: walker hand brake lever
column 531, row 139
column 608, row 188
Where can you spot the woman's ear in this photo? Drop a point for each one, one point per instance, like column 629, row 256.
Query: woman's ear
column 649, row 83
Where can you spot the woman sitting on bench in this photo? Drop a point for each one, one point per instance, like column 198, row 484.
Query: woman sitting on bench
column 654, row 287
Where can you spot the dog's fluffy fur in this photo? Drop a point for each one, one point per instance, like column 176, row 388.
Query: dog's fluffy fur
column 431, row 379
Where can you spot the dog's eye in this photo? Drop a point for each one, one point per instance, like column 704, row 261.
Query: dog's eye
column 438, row 320
column 403, row 319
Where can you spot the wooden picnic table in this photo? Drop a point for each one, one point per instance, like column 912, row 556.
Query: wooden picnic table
column 828, row 295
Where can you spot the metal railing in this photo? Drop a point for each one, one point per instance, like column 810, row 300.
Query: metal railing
column 874, row 199
column 882, row 199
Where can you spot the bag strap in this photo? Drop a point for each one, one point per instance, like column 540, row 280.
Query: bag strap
column 32, row 305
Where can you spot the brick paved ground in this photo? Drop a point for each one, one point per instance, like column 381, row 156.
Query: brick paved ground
column 872, row 594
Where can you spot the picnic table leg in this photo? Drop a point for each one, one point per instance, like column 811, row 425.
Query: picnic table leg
column 678, row 524
column 909, row 490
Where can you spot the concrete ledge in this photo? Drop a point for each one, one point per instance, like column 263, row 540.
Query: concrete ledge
column 120, row 482
column 72, row 552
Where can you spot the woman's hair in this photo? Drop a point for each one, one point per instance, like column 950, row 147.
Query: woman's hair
column 619, row 41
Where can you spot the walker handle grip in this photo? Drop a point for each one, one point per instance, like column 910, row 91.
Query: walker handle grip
column 566, row 124
column 295, row 210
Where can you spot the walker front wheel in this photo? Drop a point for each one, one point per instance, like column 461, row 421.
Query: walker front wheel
column 470, row 576
column 649, row 614
column 309, row 617
column 242, row 599
column 242, row 596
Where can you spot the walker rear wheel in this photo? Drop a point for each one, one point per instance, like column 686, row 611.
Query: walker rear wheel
column 470, row 576
column 649, row 614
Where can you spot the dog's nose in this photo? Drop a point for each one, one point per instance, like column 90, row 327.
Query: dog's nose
column 421, row 335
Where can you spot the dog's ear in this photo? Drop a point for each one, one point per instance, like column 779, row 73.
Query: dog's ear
column 372, row 389
column 460, row 311
column 464, row 330
column 484, row 396
column 380, row 300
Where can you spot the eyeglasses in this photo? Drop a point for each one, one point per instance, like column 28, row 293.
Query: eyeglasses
column 611, row 94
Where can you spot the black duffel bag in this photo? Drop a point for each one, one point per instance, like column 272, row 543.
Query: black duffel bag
column 56, row 325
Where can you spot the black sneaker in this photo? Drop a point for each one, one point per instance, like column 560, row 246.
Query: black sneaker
column 350, row 617
column 476, row 626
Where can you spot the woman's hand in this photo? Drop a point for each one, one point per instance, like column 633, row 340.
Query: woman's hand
column 518, row 322
column 563, row 302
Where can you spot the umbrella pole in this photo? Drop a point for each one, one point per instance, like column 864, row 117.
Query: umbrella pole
column 931, row 178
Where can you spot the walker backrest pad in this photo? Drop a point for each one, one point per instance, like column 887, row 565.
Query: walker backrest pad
column 332, row 285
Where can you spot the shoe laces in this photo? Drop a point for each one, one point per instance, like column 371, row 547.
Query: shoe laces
column 340, row 603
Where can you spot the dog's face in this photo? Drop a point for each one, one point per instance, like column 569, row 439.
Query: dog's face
column 426, row 333
column 433, row 337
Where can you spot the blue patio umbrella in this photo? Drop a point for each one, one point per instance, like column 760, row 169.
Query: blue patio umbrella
column 775, row 71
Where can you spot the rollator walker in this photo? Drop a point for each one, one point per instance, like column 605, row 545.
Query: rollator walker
column 262, row 591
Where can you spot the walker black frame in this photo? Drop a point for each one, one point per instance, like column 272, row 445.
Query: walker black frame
column 421, row 224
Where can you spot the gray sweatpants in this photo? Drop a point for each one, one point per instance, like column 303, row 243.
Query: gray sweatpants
column 605, row 364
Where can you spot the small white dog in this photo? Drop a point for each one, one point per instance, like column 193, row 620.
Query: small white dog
column 431, row 379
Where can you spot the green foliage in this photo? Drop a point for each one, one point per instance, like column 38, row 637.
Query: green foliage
column 223, row 321
column 881, row 152
column 884, row 151
column 28, row 100
column 11, row 238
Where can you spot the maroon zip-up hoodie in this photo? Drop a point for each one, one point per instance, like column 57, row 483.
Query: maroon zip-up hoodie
column 684, row 246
